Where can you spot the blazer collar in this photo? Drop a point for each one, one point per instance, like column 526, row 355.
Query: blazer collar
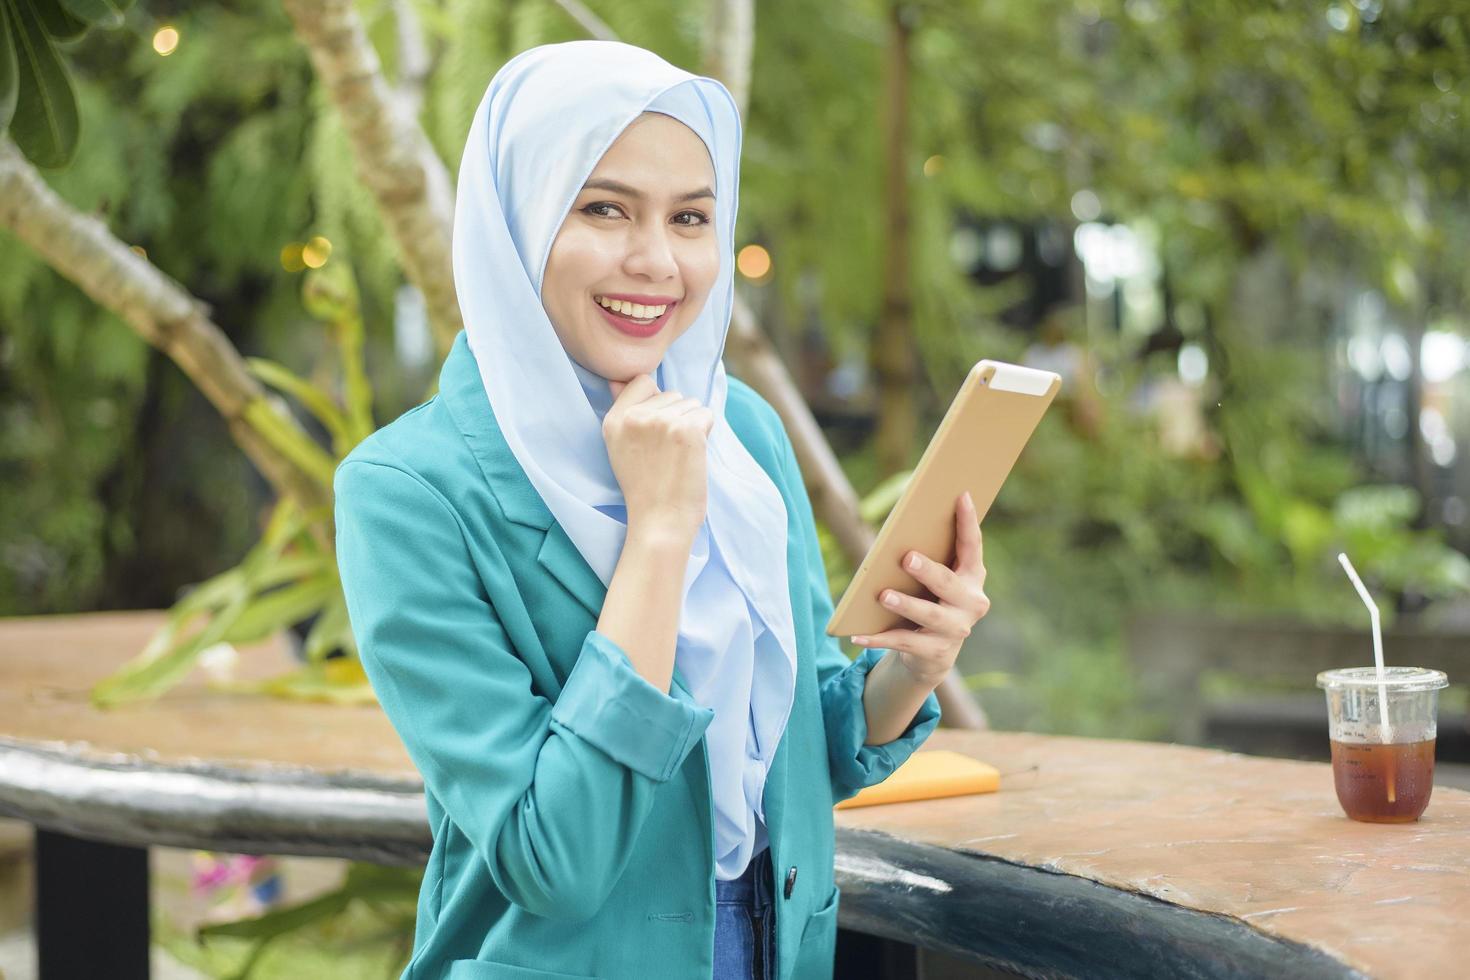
column 464, row 395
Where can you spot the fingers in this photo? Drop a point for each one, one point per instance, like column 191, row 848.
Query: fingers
column 642, row 386
column 707, row 420
column 907, row 641
column 950, row 621
column 641, row 393
column 670, row 407
column 660, row 401
column 960, row 591
column 964, row 585
column 662, row 415
column 969, row 546
column 939, row 579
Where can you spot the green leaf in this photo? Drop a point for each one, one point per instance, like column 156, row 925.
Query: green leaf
column 277, row 609
column 45, row 124
column 290, row 441
column 363, row 882
column 329, row 631
column 271, row 926
column 151, row 673
column 214, row 592
column 287, row 520
column 103, row 13
column 287, row 568
column 358, row 390
column 9, row 71
column 168, row 655
column 61, row 25
column 281, row 921
column 340, row 680
column 365, row 879
column 318, row 402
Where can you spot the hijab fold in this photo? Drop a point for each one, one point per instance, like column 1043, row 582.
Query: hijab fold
column 545, row 121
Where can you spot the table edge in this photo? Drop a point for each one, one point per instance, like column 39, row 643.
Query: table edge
column 1038, row 922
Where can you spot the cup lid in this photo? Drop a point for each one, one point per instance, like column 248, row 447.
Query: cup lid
column 1399, row 679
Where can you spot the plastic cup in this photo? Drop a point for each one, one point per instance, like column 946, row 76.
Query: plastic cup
column 1378, row 779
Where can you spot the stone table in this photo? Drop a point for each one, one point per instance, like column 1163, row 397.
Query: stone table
column 1097, row 854
column 1096, row 858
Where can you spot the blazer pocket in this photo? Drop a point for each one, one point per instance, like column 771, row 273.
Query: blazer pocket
column 487, row 970
column 822, row 926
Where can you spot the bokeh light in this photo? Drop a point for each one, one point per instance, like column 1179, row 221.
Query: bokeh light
column 754, row 262
column 165, row 40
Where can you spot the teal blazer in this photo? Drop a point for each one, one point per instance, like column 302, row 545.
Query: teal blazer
column 569, row 798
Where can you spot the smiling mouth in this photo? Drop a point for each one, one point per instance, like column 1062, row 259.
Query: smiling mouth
column 626, row 322
column 637, row 312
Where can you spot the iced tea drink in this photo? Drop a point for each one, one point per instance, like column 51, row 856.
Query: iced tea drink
column 1383, row 783
column 1382, row 765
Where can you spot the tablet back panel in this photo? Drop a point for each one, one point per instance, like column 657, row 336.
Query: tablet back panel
column 974, row 448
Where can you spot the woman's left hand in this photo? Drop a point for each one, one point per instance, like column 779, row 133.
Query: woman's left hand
column 929, row 651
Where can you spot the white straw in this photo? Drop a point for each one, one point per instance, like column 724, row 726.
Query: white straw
column 1377, row 644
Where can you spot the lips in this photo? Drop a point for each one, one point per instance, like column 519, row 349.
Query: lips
column 629, row 327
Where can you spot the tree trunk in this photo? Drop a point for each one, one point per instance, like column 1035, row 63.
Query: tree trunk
column 587, row 20
column 729, row 40
column 892, row 354
column 395, row 160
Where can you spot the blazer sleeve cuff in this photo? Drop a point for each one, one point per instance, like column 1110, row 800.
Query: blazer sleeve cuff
column 612, row 707
column 855, row 765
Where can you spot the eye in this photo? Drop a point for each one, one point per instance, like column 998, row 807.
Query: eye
column 699, row 218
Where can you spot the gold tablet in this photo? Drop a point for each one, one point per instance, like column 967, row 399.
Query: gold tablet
column 977, row 442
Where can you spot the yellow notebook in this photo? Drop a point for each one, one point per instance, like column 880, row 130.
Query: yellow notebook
column 929, row 774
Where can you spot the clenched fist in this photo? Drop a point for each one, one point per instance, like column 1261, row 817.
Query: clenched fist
column 656, row 441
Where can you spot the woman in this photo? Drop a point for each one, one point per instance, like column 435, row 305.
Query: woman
column 511, row 548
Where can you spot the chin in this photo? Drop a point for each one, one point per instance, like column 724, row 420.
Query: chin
column 626, row 368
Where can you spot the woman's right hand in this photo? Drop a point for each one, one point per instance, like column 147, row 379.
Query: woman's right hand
column 656, row 443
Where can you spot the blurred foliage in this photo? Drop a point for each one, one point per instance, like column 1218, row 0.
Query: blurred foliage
column 1091, row 526
column 290, row 576
column 362, row 928
column 1309, row 141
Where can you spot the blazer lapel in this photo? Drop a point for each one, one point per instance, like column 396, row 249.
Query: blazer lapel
column 560, row 557
column 464, row 394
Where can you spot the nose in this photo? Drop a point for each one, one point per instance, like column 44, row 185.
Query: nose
column 650, row 253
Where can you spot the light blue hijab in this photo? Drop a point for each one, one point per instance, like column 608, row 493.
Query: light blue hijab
column 546, row 120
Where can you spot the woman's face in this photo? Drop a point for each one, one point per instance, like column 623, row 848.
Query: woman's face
column 641, row 230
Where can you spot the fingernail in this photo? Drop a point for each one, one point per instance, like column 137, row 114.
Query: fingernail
column 912, row 562
column 890, row 599
column 860, row 639
column 970, row 503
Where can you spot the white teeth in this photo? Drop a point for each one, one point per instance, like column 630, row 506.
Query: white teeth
column 636, row 311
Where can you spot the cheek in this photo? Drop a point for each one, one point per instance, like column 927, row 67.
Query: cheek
column 702, row 267
column 574, row 263
column 580, row 255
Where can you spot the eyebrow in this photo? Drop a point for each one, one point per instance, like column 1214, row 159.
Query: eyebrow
column 602, row 183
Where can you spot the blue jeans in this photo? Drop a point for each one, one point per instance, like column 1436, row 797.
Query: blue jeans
column 745, row 923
